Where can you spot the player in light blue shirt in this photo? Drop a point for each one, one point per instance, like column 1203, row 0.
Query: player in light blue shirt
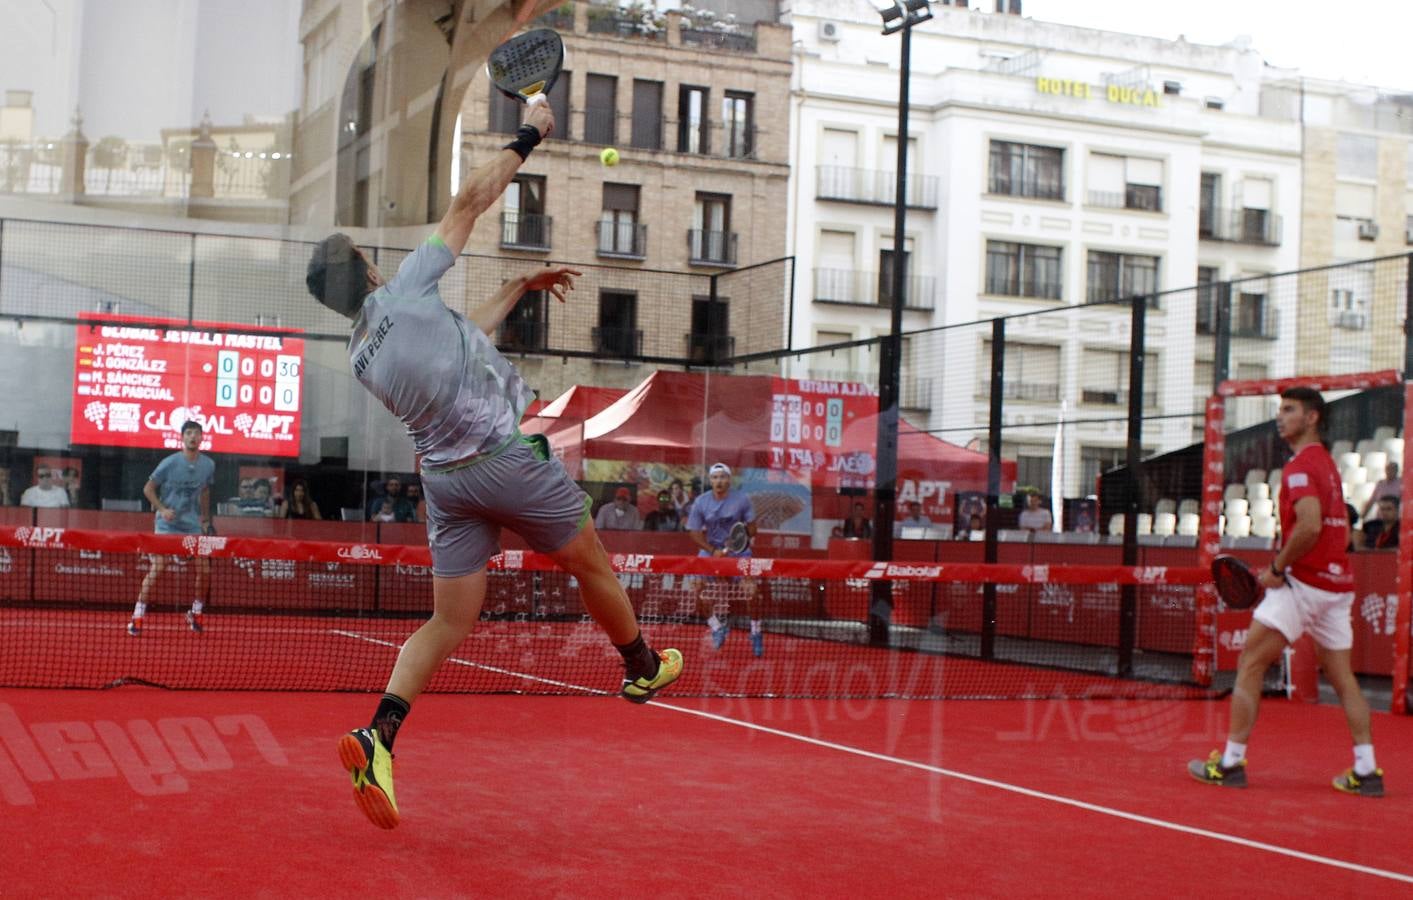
column 179, row 490
column 440, row 373
column 713, row 516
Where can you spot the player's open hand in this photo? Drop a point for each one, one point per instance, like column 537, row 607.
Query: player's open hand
column 559, row 281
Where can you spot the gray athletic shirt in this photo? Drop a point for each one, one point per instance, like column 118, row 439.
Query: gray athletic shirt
column 432, row 368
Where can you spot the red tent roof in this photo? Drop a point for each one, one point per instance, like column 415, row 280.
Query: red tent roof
column 562, row 421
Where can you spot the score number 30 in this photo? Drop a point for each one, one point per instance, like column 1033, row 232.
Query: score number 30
column 231, row 391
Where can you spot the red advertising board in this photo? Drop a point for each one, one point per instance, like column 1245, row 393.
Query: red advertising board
column 137, row 380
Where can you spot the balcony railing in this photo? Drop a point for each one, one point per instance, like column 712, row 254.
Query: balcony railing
column 875, row 186
column 713, row 248
column 915, row 393
column 1105, row 396
column 611, row 341
column 626, row 240
column 863, row 289
column 1349, row 319
column 740, row 42
column 1033, row 391
column 709, row 349
column 1137, row 197
column 1248, row 320
column 1104, row 293
column 524, row 231
column 524, row 335
column 604, row 22
column 1240, row 226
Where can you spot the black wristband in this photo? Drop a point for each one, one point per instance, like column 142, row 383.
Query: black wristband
column 527, row 138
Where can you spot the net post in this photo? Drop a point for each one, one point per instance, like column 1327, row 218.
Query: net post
column 1209, row 540
column 1128, row 602
column 993, row 485
column 1221, row 345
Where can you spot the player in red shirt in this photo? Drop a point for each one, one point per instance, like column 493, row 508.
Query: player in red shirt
column 1309, row 587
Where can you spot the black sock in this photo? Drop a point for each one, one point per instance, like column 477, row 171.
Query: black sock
column 392, row 709
column 638, row 658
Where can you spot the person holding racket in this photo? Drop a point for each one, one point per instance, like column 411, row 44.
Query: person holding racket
column 722, row 523
column 461, row 400
column 1308, row 588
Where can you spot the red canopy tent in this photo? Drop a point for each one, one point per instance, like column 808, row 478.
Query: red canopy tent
column 681, row 418
column 562, row 421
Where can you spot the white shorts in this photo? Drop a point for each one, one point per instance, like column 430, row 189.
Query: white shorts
column 1295, row 608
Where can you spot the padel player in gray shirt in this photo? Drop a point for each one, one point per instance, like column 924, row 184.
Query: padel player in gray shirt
column 437, row 371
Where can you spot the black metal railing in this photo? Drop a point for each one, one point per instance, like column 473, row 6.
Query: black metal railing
column 866, row 288
column 1033, row 391
column 709, row 348
column 1110, row 396
column 711, row 247
column 604, row 22
column 615, row 341
column 915, row 393
column 875, row 186
column 1239, row 226
column 1135, row 196
column 740, row 42
column 622, row 239
column 1250, row 318
column 524, row 231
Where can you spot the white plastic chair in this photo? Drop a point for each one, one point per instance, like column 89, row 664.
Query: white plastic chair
column 1116, row 524
column 1188, row 523
column 1375, row 461
column 1236, row 507
column 1164, row 506
column 1368, row 445
column 1339, row 448
column 1260, row 491
column 1255, row 476
column 1354, row 476
column 1349, row 460
column 1360, row 495
column 1234, row 491
column 1145, row 523
column 1263, row 526
column 1262, row 509
column 1189, row 507
column 1384, row 432
column 1239, row 526
column 1165, row 523
column 1394, row 448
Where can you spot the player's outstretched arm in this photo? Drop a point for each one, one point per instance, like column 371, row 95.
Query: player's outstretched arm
column 484, row 186
column 558, row 280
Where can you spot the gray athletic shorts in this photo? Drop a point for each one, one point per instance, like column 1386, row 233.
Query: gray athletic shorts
column 517, row 487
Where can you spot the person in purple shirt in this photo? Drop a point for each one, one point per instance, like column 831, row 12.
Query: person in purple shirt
column 710, row 522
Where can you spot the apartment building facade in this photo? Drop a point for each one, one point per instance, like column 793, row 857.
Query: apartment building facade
column 1050, row 168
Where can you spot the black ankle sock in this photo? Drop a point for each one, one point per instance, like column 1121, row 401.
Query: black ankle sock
column 392, row 709
column 638, row 658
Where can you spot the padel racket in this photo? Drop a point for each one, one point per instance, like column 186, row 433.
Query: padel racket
column 525, row 67
column 1236, row 583
column 739, row 539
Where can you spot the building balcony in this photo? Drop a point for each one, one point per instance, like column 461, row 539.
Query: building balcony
column 603, row 21
column 717, row 39
column 1254, row 318
column 915, row 394
column 1111, row 396
column 523, row 336
column 709, row 349
column 1349, row 319
column 622, row 240
column 711, row 248
column 857, row 288
column 621, row 342
column 873, row 186
column 1027, row 391
column 1141, row 198
column 524, row 231
column 1260, row 227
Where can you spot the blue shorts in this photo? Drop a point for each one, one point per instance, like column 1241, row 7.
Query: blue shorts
column 516, row 487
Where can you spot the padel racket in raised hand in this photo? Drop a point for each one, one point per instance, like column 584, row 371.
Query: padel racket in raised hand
column 525, row 67
column 739, row 539
column 1236, row 583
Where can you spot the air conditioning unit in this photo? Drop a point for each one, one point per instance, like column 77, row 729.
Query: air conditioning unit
column 1368, row 231
column 829, row 31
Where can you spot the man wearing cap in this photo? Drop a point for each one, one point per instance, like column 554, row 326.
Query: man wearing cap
column 710, row 522
column 437, row 369
column 620, row 515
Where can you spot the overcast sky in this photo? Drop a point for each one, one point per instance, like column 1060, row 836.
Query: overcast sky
column 1365, row 42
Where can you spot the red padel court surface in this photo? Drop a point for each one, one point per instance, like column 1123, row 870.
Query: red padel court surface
column 143, row 792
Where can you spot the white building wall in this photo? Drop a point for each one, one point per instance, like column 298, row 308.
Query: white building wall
column 957, row 109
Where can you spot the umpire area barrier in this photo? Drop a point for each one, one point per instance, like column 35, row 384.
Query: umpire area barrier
column 311, row 615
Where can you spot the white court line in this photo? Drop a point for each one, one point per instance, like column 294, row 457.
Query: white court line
column 475, row 665
column 1053, row 798
column 961, row 776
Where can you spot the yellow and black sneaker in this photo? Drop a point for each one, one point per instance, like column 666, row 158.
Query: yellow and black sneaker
column 1211, row 771
column 370, row 764
column 1371, row 785
column 641, row 690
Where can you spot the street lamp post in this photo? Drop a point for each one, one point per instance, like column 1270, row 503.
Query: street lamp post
column 897, row 15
